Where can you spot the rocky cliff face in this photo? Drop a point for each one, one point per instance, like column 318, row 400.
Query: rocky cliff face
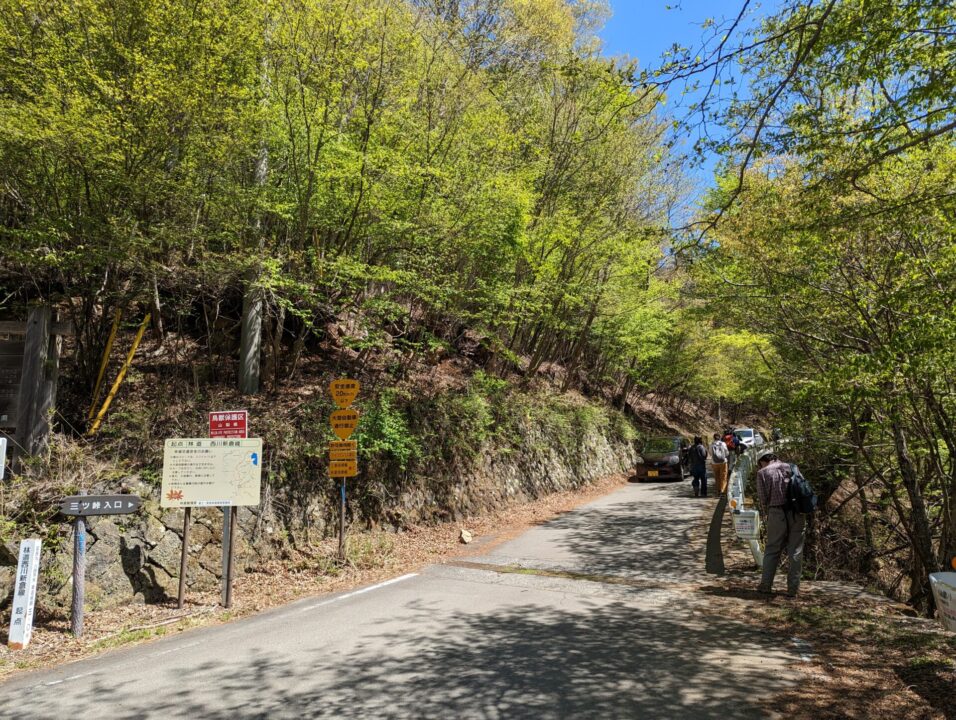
column 135, row 558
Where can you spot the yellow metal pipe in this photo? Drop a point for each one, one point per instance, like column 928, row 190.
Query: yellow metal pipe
column 119, row 378
column 106, row 361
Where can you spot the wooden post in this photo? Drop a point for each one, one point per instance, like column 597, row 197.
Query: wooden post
column 182, row 562
column 230, row 566
column 250, row 344
column 32, row 423
column 79, row 574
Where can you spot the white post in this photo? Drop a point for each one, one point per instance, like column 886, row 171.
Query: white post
column 24, row 595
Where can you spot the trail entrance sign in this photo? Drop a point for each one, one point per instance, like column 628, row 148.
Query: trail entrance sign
column 24, row 595
column 100, row 504
column 344, row 392
column 205, row 472
column 229, row 424
column 344, row 422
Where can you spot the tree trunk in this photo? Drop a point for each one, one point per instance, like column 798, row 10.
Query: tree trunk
column 922, row 535
column 250, row 344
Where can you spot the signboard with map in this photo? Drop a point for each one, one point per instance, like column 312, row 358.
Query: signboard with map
column 209, row 472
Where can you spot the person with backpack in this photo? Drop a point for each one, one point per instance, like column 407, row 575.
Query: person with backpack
column 719, row 453
column 786, row 500
column 698, row 467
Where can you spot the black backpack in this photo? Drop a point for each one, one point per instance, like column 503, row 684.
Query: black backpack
column 800, row 496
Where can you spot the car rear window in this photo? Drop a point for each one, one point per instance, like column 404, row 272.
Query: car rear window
column 661, row 445
column 745, row 433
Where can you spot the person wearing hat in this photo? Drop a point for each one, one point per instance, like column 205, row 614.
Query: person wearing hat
column 785, row 527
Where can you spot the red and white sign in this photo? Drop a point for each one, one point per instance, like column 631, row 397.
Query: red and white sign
column 229, row 424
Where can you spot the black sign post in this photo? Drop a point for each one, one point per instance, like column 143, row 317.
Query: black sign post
column 82, row 506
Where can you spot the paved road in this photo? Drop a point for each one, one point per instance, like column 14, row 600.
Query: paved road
column 602, row 621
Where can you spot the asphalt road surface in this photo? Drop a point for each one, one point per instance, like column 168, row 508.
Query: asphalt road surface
column 593, row 615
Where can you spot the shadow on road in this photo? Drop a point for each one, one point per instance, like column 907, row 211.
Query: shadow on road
column 524, row 662
column 659, row 532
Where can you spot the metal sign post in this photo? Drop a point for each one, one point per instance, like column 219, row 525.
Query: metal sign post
column 24, row 595
column 81, row 506
column 79, row 576
column 207, row 472
column 228, row 424
column 343, row 454
column 230, row 566
column 181, row 598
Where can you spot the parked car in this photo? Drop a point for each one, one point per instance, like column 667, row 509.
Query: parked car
column 660, row 459
column 745, row 436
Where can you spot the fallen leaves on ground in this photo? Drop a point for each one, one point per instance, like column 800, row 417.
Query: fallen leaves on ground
column 869, row 657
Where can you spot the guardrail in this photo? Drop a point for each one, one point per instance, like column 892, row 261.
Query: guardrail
column 747, row 522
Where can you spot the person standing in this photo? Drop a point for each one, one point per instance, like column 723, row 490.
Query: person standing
column 698, row 467
column 718, row 457
column 785, row 526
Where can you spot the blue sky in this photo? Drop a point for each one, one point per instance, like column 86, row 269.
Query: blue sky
column 644, row 29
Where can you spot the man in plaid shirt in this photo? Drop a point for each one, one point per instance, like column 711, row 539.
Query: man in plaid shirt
column 785, row 527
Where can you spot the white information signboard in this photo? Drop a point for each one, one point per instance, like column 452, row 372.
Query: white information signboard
column 208, row 472
column 747, row 524
column 3, row 457
column 944, row 590
column 24, row 595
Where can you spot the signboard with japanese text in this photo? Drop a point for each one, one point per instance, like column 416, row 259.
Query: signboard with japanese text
column 343, row 468
column 100, row 504
column 344, row 423
column 747, row 524
column 210, row 472
column 944, row 592
column 343, row 450
column 229, row 424
column 344, row 391
column 24, row 595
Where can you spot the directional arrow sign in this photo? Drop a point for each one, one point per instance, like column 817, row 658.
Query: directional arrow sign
column 344, row 391
column 344, row 422
column 100, row 504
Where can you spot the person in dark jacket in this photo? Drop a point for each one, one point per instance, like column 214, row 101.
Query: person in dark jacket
column 698, row 467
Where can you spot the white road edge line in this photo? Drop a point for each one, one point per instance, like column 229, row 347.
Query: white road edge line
column 370, row 588
column 347, row 595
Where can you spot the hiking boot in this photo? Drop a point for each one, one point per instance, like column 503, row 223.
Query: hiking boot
column 764, row 590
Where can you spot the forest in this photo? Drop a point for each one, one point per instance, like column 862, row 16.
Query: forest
column 298, row 187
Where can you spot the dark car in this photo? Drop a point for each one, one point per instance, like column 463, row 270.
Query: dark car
column 660, row 459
